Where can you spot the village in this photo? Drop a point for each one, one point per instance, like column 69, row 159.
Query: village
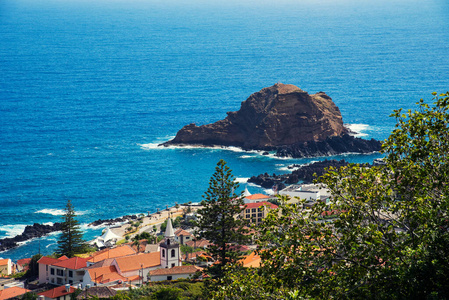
column 159, row 247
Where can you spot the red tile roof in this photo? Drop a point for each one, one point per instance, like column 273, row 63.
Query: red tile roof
column 45, row 260
column 258, row 204
column 105, row 274
column 112, row 253
column 23, row 261
column 176, row 270
column 138, row 261
column 257, row 197
column 58, row 292
column 12, row 292
column 181, row 231
column 73, row 263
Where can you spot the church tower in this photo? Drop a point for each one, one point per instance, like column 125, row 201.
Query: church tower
column 170, row 256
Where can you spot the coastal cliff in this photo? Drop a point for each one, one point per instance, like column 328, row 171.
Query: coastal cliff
column 283, row 118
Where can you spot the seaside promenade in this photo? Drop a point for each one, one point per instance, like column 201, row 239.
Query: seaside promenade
column 154, row 219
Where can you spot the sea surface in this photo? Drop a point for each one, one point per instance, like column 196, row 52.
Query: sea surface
column 88, row 89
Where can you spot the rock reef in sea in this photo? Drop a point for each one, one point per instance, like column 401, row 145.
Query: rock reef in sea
column 282, row 118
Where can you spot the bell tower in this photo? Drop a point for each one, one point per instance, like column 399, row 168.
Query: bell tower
column 170, row 256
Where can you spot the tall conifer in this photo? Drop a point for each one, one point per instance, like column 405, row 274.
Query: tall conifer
column 220, row 221
column 71, row 239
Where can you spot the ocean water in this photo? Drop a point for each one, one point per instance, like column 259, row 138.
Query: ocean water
column 89, row 88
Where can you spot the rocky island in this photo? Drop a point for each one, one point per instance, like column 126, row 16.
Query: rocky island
column 281, row 118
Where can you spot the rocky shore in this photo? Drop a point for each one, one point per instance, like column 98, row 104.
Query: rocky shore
column 109, row 222
column 304, row 173
column 31, row 231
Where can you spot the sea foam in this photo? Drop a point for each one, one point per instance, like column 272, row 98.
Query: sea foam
column 10, row 231
column 57, row 212
column 358, row 129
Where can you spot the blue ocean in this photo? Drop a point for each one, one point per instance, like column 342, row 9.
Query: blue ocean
column 88, row 89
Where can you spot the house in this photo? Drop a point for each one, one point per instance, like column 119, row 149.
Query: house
column 120, row 251
column 97, row 292
column 44, row 270
column 12, row 292
column 309, row 192
column 61, row 271
column 63, row 292
column 5, row 266
column 182, row 236
column 136, row 267
column 173, row 273
column 256, row 212
column 23, row 264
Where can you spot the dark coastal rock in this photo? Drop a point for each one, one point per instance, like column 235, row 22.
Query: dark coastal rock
column 304, row 173
column 331, row 146
column 282, row 118
column 31, row 231
column 114, row 221
column 282, row 114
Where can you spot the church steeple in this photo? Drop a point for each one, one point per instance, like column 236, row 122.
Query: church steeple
column 169, row 232
column 170, row 255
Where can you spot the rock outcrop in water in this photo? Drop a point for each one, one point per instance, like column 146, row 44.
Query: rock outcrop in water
column 283, row 118
column 31, row 231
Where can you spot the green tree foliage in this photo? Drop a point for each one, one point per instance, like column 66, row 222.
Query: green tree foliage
column 391, row 238
column 70, row 241
column 33, row 267
column 220, row 220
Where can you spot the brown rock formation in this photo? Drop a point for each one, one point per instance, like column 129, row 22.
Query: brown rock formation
column 279, row 115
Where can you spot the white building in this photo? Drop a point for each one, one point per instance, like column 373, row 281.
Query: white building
column 308, row 192
column 170, row 254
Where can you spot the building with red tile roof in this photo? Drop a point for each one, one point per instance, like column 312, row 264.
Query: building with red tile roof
column 12, row 292
column 103, row 276
column 182, row 236
column 23, row 264
column 58, row 293
column 174, row 273
column 251, row 261
column 257, row 211
column 61, row 271
column 5, row 266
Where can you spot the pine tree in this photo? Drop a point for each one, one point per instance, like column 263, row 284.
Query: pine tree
column 71, row 239
column 220, row 221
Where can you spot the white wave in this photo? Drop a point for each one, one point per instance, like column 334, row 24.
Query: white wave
column 268, row 192
column 242, row 179
column 246, row 156
column 150, row 146
column 358, row 129
column 48, row 223
column 57, row 212
column 11, row 231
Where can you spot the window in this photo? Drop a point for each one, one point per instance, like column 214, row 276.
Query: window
column 52, row 271
column 71, row 281
column 259, row 209
column 70, row 273
column 253, row 210
column 173, row 253
column 46, row 267
column 163, row 252
column 59, row 272
column 248, row 216
column 248, row 211
column 253, row 215
column 169, row 277
column 259, row 215
column 168, row 242
column 259, row 220
column 172, row 265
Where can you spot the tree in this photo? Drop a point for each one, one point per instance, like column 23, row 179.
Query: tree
column 391, row 238
column 219, row 220
column 71, row 238
column 33, row 267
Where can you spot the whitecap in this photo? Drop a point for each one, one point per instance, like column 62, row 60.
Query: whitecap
column 241, row 179
column 57, row 212
column 358, row 129
column 12, row 230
